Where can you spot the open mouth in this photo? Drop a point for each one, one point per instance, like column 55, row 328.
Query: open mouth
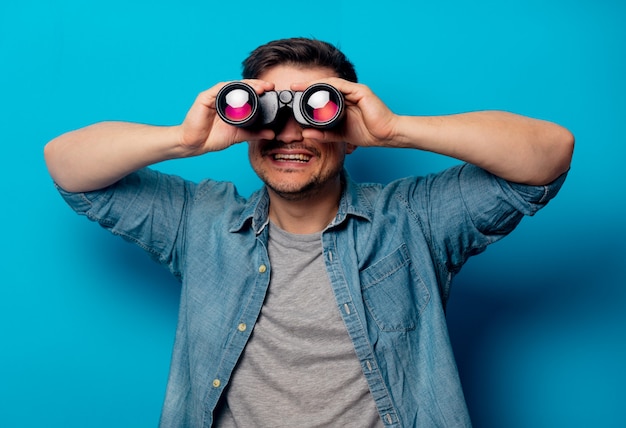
column 282, row 157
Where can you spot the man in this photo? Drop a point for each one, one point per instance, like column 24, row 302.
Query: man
column 317, row 301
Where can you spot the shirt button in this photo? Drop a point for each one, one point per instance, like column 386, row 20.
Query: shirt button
column 216, row 383
column 262, row 269
column 242, row 327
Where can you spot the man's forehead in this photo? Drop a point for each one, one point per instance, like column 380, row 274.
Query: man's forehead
column 284, row 75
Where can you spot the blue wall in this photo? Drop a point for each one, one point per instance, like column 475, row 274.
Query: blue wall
column 538, row 321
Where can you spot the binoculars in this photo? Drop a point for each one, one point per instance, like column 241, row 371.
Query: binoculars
column 319, row 106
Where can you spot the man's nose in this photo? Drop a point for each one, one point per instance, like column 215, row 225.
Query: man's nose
column 291, row 132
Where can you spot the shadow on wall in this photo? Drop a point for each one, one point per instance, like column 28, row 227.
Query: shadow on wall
column 134, row 275
column 528, row 343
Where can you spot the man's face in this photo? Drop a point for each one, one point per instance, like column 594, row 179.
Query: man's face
column 292, row 167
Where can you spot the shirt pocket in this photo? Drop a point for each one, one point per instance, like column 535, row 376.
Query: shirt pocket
column 394, row 294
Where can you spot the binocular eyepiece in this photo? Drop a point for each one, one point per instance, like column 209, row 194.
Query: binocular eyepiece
column 319, row 106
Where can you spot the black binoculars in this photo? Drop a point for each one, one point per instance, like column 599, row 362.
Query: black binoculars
column 319, row 106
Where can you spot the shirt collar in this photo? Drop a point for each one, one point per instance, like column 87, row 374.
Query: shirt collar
column 352, row 203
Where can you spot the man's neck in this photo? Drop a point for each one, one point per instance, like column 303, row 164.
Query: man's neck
column 308, row 215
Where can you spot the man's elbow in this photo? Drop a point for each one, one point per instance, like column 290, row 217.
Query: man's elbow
column 552, row 160
column 564, row 150
column 50, row 156
column 61, row 175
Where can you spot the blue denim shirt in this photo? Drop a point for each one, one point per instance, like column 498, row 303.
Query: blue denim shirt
column 390, row 253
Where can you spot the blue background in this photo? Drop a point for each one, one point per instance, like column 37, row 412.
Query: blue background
column 538, row 321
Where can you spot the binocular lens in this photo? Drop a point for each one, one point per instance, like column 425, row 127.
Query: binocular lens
column 323, row 105
column 237, row 104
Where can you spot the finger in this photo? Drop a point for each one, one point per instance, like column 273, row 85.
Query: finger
column 262, row 134
column 321, row 135
column 260, row 86
column 301, row 86
column 352, row 92
column 313, row 134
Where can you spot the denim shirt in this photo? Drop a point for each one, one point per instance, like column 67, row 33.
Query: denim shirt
column 390, row 253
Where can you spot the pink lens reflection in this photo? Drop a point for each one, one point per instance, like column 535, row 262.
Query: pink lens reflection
column 238, row 113
column 238, row 105
column 322, row 107
column 325, row 113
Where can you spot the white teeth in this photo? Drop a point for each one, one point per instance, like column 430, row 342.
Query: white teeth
column 292, row 157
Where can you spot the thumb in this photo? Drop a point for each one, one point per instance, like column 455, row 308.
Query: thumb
column 322, row 135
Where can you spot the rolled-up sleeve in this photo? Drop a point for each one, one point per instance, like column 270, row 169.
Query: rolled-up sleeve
column 146, row 207
column 469, row 208
column 496, row 205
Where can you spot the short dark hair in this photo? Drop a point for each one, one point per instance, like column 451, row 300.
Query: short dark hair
column 300, row 52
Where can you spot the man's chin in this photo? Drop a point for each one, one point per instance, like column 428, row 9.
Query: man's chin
column 292, row 191
column 297, row 187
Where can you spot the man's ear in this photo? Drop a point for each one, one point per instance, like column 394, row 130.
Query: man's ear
column 350, row 148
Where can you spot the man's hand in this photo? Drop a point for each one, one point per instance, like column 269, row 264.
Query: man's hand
column 368, row 121
column 203, row 131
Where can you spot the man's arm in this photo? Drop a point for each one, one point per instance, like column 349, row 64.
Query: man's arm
column 99, row 155
column 513, row 147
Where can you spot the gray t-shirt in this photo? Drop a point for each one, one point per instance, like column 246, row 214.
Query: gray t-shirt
column 299, row 368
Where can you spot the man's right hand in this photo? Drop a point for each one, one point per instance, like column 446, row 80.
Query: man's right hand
column 203, row 131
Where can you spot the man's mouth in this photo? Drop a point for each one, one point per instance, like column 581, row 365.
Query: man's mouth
column 296, row 157
column 294, row 153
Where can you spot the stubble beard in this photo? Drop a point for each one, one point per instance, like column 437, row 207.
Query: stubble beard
column 296, row 192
